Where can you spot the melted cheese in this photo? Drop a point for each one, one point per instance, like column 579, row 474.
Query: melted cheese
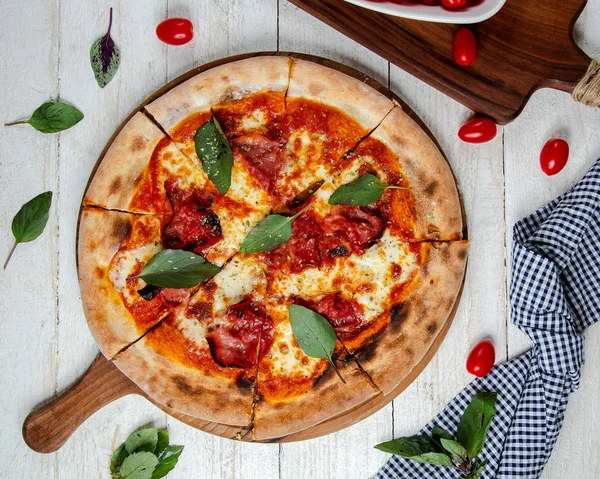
column 256, row 121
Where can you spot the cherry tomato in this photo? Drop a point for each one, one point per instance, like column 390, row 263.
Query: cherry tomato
column 454, row 3
column 554, row 156
column 428, row 2
column 175, row 31
column 464, row 47
column 481, row 358
column 478, row 130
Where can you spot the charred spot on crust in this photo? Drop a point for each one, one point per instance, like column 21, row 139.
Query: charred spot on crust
column 138, row 143
column 149, row 292
column 431, row 188
column 398, row 316
column 99, row 272
column 432, row 328
column 340, row 250
column 183, row 385
column 409, row 353
column 243, row 383
column 115, row 185
column 462, row 253
column 121, row 229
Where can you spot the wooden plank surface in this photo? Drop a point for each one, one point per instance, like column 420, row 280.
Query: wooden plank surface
column 45, row 344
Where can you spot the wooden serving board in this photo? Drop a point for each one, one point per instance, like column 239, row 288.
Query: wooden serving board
column 47, row 428
column 526, row 46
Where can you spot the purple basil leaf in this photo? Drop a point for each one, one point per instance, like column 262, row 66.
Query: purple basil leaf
column 105, row 57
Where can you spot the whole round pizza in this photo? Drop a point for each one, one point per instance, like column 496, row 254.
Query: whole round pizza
column 269, row 245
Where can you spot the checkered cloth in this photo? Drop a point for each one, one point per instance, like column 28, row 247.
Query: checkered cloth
column 555, row 296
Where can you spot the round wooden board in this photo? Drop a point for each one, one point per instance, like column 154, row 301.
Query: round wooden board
column 81, row 400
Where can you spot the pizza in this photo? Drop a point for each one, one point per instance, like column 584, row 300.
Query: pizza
column 287, row 135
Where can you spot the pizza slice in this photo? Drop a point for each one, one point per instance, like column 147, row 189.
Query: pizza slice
column 114, row 246
column 202, row 360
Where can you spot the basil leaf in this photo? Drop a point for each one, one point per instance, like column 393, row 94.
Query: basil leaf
column 162, row 443
column 52, row 117
column 270, row 233
column 139, row 465
column 456, row 450
column 30, row 221
column 475, row 422
column 313, row 333
column 478, row 468
column 417, row 448
column 168, row 462
column 177, row 269
column 105, row 57
column 362, row 191
column 117, row 459
column 214, row 151
column 142, row 440
column 439, row 433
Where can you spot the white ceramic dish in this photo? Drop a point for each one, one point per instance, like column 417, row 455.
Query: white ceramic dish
column 474, row 14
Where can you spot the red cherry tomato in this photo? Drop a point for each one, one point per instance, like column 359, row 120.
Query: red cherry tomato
column 428, row 2
column 454, row 3
column 478, row 130
column 464, row 47
column 554, row 156
column 481, row 359
column 175, row 31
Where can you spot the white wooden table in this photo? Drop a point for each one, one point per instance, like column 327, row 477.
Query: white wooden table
column 44, row 341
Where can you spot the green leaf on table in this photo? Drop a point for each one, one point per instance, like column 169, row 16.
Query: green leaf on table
column 142, row 440
column 456, row 450
column 417, row 448
column 52, row 117
column 439, row 433
column 105, row 57
column 139, row 465
column 177, row 269
column 313, row 333
column 475, row 422
column 363, row 191
column 117, row 459
column 30, row 220
column 214, row 151
column 167, row 462
column 162, row 443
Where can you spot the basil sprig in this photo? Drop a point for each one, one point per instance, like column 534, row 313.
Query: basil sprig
column 444, row 449
column 30, row 221
column 270, row 233
column 363, row 191
column 52, row 117
column 105, row 57
column 214, row 151
column 145, row 454
column 313, row 333
column 172, row 268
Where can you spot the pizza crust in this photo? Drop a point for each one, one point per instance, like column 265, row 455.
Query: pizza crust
column 185, row 389
column 328, row 398
column 438, row 209
column 355, row 98
column 219, row 85
column 416, row 322
column 101, row 233
column 123, row 165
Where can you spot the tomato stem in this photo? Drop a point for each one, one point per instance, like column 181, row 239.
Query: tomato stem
column 10, row 253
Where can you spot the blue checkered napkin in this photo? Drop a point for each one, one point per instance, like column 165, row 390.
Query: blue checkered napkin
column 555, row 295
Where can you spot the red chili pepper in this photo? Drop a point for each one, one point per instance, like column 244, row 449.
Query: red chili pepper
column 554, row 156
column 478, row 130
column 481, row 359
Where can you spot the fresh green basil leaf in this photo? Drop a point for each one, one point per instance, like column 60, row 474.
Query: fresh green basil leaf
column 436, row 458
column 105, row 57
column 439, row 433
column 162, row 443
column 270, row 233
column 142, row 440
column 30, row 220
column 139, row 465
column 177, row 269
column 456, row 450
column 313, row 333
column 117, row 459
column 53, row 117
column 410, row 446
column 168, row 462
column 478, row 467
column 475, row 422
column 214, row 151
column 362, row 191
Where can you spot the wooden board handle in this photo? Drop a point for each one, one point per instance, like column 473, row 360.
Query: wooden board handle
column 46, row 429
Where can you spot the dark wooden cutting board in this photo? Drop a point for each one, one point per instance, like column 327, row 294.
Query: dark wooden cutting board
column 526, row 46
